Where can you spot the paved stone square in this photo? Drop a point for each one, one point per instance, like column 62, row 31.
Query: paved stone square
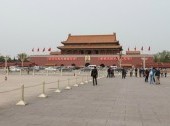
column 113, row 102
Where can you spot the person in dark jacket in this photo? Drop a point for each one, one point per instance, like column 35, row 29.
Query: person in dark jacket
column 136, row 72
column 157, row 76
column 94, row 74
column 123, row 73
column 109, row 72
column 146, row 75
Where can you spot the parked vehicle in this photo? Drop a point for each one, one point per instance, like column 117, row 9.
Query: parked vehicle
column 14, row 69
column 50, row 69
column 91, row 66
column 86, row 69
column 114, row 67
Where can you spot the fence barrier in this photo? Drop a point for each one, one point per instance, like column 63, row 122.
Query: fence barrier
column 75, row 81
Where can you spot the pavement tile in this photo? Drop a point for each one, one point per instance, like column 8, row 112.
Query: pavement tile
column 114, row 102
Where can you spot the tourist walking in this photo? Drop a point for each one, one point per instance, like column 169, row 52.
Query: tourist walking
column 165, row 72
column 157, row 76
column 131, row 72
column 123, row 73
column 161, row 71
column 136, row 72
column 146, row 75
column 109, row 72
column 112, row 73
column 94, row 74
column 140, row 72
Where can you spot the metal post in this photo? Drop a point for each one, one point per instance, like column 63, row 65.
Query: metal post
column 47, row 73
column 20, row 71
column 68, row 86
column 6, row 62
column 82, row 81
column 86, row 79
column 33, row 73
column 43, row 95
column 7, row 72
column 76, row 85
column 61, row 72
column 58, row 87
column 22, row 102
column 90, row 79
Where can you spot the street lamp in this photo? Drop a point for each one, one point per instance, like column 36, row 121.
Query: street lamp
column 144, row 61
column 6, row 61
column 120, row 59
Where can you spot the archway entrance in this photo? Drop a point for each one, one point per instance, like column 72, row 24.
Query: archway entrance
column 87, row 64
column 102, row 65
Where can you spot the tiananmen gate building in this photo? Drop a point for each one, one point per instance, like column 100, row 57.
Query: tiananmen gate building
column 100, row 50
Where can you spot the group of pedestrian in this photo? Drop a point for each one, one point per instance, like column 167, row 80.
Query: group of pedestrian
column 163, row 72
column 153, row 74
column 110, row 72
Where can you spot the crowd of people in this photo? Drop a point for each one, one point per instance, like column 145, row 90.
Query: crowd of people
column 151, row 75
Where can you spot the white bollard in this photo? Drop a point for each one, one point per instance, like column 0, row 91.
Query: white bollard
column 86, row 79
column 22, row 102
column 61, row 72
column 76, row 85
column 58, row 88
column 82, row 81
column 20, row 72
column 43, row 95
column 68, row 86
column 90, row 79
column 33, row 72
column 7, row 72
column 47, row 73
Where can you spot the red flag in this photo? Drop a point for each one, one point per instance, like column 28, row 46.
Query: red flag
column 142, row 48
column 149, row 48
column 32, row 49
column 135, row 48
column 43, row 49
column 49, row 49
column 38, row 50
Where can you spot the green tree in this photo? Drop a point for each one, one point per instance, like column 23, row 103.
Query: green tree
column 163, row 56
column 22, row 57
column 2, row 59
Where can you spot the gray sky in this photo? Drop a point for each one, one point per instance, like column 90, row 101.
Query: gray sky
column 27, row 24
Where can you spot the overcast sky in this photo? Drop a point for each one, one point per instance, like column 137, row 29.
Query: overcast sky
column 27, row 24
